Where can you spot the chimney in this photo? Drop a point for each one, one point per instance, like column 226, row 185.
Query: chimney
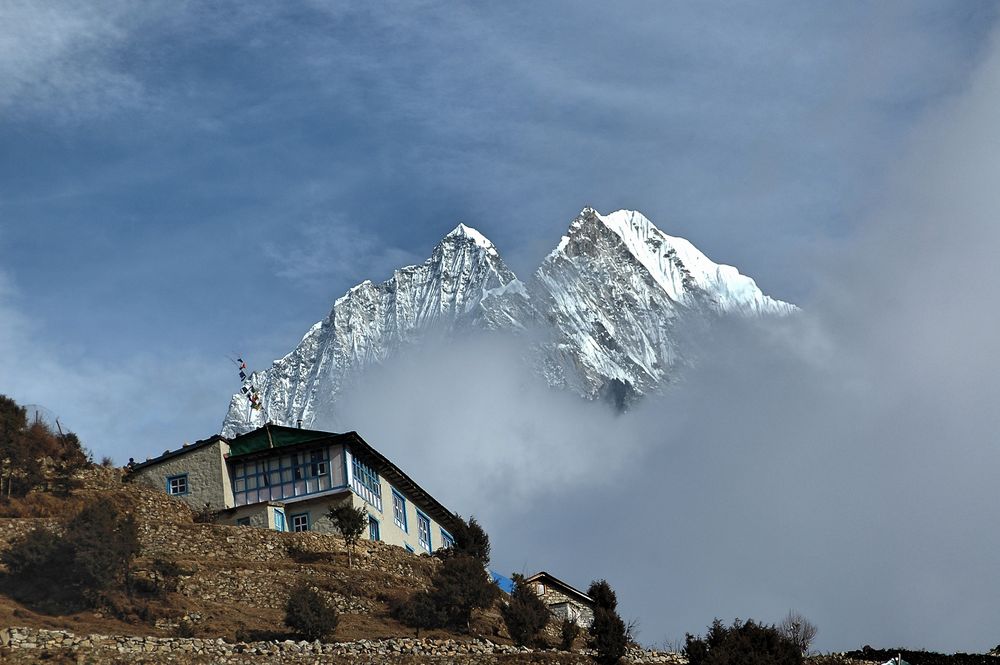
column 298, row 423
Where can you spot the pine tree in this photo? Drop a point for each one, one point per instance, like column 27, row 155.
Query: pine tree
column 743, row 643
column 309, row 614
column 608, row 633
column 471, row 540
column 104, row 540
column 460, row 586
column 351, row 523
column 525, row 614
column 418, row 611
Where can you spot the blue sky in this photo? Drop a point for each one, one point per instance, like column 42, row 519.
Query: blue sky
column 182, row 180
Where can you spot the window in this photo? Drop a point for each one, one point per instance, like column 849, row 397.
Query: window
column 446, row 539
column 424, row 531
column 300, row 522
column 178, row 484
column 409, row 549
column 366, row 483
column 399, row 510
column 282, row 476
column 317, row 463
column 243, row 521
column 372, row 528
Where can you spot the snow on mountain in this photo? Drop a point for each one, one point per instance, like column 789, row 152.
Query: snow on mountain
column 682, row 270
column 606, row 304
column 369, row 323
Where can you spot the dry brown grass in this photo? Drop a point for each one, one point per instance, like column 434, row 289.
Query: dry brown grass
column 42, row 504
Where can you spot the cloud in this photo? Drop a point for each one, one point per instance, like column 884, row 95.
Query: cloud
column 62, row 58
column 148, row 401
column 318, row 252
column 841, row 462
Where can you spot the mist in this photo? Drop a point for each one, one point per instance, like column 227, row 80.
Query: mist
column 842, row 462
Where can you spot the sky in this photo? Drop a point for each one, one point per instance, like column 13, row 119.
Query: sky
column 182, row 181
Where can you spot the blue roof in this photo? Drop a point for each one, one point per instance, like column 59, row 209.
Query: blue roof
column 505, row 583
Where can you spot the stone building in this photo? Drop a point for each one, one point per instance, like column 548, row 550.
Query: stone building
column 286, row 479
column 563, row 600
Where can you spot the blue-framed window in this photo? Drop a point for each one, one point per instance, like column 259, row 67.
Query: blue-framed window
column 446, row 539
column 279, row 519
column 282, row 476
column 373, row 528
column 243, row 521
column 177, row 485
column 424, row 531
column 300, row 522
column 366, row 483
column 399, row 510
column 409, row 549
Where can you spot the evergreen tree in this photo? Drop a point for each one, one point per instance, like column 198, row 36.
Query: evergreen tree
column 525, row 614
column 309, row 614
column 461, row 586
column 93, row 555
column 471, row 540
column 104, row 540
column 608, row 633
column 742, row 643
column 568, row 632
column 14, row 455
column 418, row 611
column 351, row 522
column 603, row 595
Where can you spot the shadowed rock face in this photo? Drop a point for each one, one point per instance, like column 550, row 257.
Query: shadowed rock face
column 599, row 317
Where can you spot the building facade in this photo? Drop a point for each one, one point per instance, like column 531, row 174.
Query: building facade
column 287, row 478
column 564, row 601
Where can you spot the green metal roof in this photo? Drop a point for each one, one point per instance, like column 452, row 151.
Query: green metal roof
column 270, row 436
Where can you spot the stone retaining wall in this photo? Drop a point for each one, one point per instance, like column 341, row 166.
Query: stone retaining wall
column 31, row 641
column 178, row 539
column 265, row 587
column 12, row 528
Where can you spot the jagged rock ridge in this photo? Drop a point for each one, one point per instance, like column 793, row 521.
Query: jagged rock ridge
column 607, row 300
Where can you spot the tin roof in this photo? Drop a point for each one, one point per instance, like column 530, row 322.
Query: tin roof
column 186, row 448
column 548, row 578
column 274, row 436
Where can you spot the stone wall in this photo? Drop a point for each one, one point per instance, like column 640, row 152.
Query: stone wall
column 33, row 642
column 207, row 478
column 198, row 542
column 557, row 602
column 13, row 528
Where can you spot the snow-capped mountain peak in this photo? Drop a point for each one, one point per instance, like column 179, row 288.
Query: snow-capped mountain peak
column 463, row 231
column 601, row 313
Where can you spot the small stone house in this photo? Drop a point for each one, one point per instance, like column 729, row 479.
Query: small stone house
column 286, row 479
column 564, row 601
